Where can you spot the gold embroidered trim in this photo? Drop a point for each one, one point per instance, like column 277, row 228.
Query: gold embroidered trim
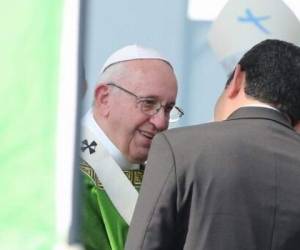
column 135, row 176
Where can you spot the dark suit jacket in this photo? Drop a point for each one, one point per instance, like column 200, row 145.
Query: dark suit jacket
column 232, row 185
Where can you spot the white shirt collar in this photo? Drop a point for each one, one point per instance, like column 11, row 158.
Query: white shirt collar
column 89, row 121
column 263, row 105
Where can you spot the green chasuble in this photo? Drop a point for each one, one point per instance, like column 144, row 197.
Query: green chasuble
column 103, row 228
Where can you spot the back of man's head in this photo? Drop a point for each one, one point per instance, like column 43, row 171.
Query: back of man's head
column 273, row 75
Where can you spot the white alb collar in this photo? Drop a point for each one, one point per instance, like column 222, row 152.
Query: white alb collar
column 89, row 121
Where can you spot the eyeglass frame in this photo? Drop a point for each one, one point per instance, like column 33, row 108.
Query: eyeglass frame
column 140, row 99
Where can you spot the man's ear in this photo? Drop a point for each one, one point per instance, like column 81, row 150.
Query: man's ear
column 237, row 83
column 101, row 97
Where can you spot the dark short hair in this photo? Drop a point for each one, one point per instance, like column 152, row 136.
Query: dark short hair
column 273, row 75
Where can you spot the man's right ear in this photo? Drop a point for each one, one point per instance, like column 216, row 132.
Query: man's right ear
column 101, row 97
column 236, row 83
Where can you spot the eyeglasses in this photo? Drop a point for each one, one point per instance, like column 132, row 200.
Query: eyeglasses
column 151, row 106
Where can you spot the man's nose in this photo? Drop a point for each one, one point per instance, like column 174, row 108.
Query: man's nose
column 160, row 120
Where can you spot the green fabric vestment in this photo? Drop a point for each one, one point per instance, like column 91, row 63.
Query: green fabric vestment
column 103, row 228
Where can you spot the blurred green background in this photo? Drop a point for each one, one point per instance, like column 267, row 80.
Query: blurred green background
column 29, row 57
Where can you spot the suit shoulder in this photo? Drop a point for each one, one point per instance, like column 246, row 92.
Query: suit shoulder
column 194, row 130
column 199, row 136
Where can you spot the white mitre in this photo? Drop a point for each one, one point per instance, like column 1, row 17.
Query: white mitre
column 242, row 24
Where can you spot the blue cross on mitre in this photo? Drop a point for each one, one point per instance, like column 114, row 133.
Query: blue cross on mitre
column 256, row 20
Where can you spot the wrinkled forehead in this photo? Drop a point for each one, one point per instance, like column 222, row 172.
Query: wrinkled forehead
column 151, row 77
column 147, row 69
